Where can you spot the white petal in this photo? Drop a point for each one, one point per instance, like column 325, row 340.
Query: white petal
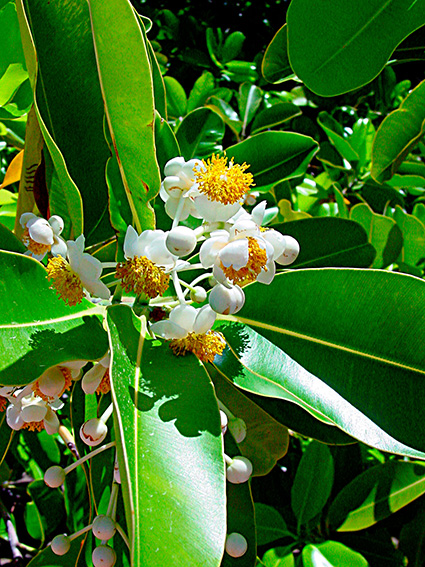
column 158, row 252
column 184, row 315
column 13, row 417
column 235, row 254
column 243, row 228
column 130, row 242
column 51, row 382
column 174, row 165
column 276, row 239
column 205, row 319
column 59, row 247
column 174, row 186
column 40, row 231
column 51, row 422
column 25, row 217
column 214, row 210
column 219, row 275
column 168, row 330
column 98, row 289
column 89, row 269
column 266, row 277
column 92, row 379
column 75, row 252
column 290, row 254
column 210, row 248
column 57, row 224
column 258, row 212
column 34, row 412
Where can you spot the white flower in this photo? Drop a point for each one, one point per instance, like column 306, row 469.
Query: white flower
column 93, row 377
column 41, row 236
column 33, row 413
column 151, row 245
column 183, row 320
column 179, row 178
column 56, row 379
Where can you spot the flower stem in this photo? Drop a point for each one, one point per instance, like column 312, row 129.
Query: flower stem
column 178, row 212
column 178, row 287
column 107, row 413
column 74, row 465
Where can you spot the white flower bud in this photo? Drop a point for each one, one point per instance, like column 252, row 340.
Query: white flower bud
column 181, row 241
column 54, row 477
column 224, row 421
column 103, row 527
column 226, row 300
column 290, row 254
column 60, row 544
column 239, row 470
column 237, row 428
column 198, row 294
column 236, row 545
column 104, row 556
column 93, row 432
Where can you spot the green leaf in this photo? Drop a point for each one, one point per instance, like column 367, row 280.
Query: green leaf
column 331, row 554
column 355, row 35
column 232, row 46
column 200, row 134
column 62, row 93
column 313, row 483
column 249, row 100
column 46, row 557
column 202, row 89
column 127, row 89
column 176, row 97
column 275, row 67
column 266, row 439
column 335, row 133
column 376, row 494
column 279, row 557
column 226, row 112
column 329, row 242
column 9, row 242
column 383, row 233
column 412, row 537
column 35, row 335
column 270, row 524
column 170, row 449
column 166, row 143
column 353, row 329
column 274, row 156
column 398, row 133
column 380, row 197
column 275, row 115
column 413, row 231
column 12, row 79
column 50, row 505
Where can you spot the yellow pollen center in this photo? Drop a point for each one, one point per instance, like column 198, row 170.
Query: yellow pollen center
column 33, row 246
column 257, row 260
column 203, row 345
column 67, row 386
column 221, row 182
column 65, row 281
column 3, row 403
column 105, row 384
column 34, row 425
column 141, row 275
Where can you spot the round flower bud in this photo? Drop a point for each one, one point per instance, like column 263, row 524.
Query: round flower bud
column 290, row 254
column 93, row 432
column 104, row 556
column 54, row 477
column 198, row 294
column 239, row 470
column 226, row 300
column 236, row 545
column 60, row 544
column 224, row 421
column 103, row 527
column 181, row 241
column 237, row 428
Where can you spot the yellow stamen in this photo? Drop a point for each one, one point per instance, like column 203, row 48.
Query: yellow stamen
column 35, row 247
column 204, row 345
column 257, row 260
column 65, row 281
column 141, row 275
column 224, row 183
column 105, row 384
column 34, row 425
column 67, row 386
column 3, row 403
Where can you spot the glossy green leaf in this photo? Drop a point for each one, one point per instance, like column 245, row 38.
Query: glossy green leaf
column 335, row 133
column 353, row 329
column 170, row 456
column 381, row 196
column 176, row 97
column 65, row 197
column 376, row 494
column 11, row 52
column 279, row 557
column 383, row 233
column 200, row 134
column 274, row 156
column 331, row 554
column 35, row 335
column 275, row 67
column 249, row 100
column 50, row 505
column 266, row 439
column 226, row 112
column 329, row 242
column 275, row 115
column 166, row 143
column 12, row 79
column 158, row 84
column 202, row 89
column 413, row 231
column 232, row 46
column 270, row 524
column 312, row 483
column 9, row 242
column 46, row 557
column 127, row 89
column 398, row 133
column 355, row 35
